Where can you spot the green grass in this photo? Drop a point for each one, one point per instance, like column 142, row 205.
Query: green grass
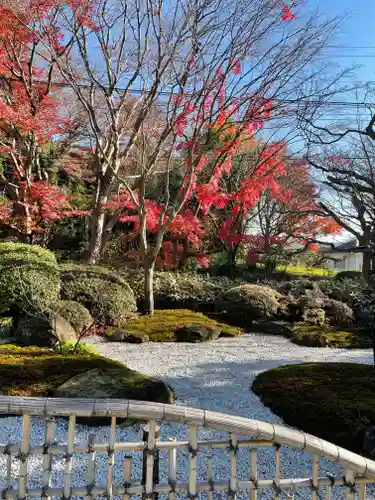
column 346, row 338
column 33, row 371
column 307, row 271
column 160, row 327
column 334, row 401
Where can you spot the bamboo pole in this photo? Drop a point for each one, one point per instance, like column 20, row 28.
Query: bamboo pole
column 111, row 457
column 254, row 473
column 138, row 489
column 233, row 472
column 210, row 478
column 150, row 473
column 315, row 477
column 127, row 476
column 22, row 483
column 277, row 471
column 172, row 469
column 69, row 456
column 9, row 466
column 350, row 481
column 47, row 457
column 362, row 492
column 193, row 450
column 90, row 465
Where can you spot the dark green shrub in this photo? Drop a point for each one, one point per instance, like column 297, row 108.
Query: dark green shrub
column 182, row 290
column 245, row 303
column 352, row 292
column 337, row 311
column 29, row 277
column 74, row 312
column 353, row 275
column 108, row 297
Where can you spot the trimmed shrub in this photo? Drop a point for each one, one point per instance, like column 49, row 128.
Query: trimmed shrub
column 350, row 291
column 337, row 311
column 314, row 316
column 353, row 275
column 74, row 312
column 108, row 297
column 305, row 303
column 182, row 290
column 29, row 277
column 245, row 303
column 298, row 288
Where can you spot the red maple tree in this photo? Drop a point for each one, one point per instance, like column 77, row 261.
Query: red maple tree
column 30, row 116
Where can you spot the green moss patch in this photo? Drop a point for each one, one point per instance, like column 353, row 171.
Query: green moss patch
column 32, row 371
column 160, row 327
column 316, row 336
column 334, row 401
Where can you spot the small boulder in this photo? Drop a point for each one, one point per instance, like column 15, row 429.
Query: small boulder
column 44, row 329
column 115, row 383
column 196, row 333
column 126, row 336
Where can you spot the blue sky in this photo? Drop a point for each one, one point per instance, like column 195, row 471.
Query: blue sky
column 357, row 30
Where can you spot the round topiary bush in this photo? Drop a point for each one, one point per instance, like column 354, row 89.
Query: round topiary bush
column 354, row 275
column 75, row 313
column 29, row 277
column 338, row 312
column 109, row 298
column 245, row 303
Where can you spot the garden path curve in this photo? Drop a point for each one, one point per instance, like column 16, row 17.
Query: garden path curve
column 218, row 375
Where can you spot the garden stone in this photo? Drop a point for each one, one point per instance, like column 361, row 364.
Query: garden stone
column 115, row 383
column 126, row 336
column 273, row 328
column 314, row 340
column 196, row 333
column 44, row 330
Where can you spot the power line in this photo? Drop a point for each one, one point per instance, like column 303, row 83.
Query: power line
column 168, row 93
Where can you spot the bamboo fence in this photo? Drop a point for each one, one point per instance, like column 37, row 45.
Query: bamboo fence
column 242, row 433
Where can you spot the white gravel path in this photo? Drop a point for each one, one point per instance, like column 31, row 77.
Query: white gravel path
column 215, row 376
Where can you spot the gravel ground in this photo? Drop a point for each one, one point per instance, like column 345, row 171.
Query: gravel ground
column 215, row 376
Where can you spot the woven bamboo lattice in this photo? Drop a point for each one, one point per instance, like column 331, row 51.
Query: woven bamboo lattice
column 242, row 434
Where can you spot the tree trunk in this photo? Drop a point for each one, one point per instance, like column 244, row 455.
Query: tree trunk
column 97, row 227
column 232, row 254
column 366, row 266
column 148, row 304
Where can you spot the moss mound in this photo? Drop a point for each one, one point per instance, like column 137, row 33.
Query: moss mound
column 161, row 326
column 334, row 401
column 33, row 371
column 321, row 336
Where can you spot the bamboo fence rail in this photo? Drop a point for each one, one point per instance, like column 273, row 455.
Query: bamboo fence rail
column 243, row 433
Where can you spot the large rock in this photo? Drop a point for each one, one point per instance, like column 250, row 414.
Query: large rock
column 126, row 336
column 196, row 333
column 43, row 330
column 115, row 383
